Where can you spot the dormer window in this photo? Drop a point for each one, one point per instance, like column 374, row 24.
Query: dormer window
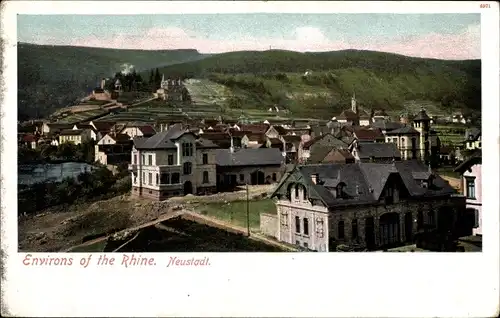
column 340, row 190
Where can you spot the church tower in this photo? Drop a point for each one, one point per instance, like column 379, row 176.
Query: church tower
column 354, row 106
column 421, row 123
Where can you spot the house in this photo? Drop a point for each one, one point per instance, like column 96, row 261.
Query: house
column 316, row 149
column 292, row 146
column 94, row 134
column 102, row 127
column 338, row 156
column 407, row 140
column 253, row 140
column 248, row 166
column 54, row 128
column 471, row 186
column 363, row 205
column 380, row 116
column 74, row 136
column 386, row 126
column 113, row 149
column 256, row 129
column 363, row 134
column 473, row 139
column 137, row 130
column 375, row 152
column 171, row 163
column 276, row 131
column 460, row 118
column 29, row 141
column 447, row 155
column 354, row 116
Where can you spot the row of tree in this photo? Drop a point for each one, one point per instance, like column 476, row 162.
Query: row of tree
column 96, row 184
column 84, row 152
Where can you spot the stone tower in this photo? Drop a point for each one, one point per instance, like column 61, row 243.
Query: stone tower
column 421, row 123
column 354, row 106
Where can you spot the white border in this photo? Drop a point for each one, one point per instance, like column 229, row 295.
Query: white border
column 317, row 284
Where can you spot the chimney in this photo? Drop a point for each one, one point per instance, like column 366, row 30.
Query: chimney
column 314, row 178
column 103, row 83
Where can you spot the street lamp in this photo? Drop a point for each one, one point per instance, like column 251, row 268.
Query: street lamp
column 248, row 212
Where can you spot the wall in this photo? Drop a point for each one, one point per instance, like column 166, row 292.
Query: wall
column 269, row 224
column 476, row 203
column 247, row 171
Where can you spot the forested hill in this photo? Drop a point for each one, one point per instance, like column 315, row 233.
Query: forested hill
column 50, row 77
column 380, row 79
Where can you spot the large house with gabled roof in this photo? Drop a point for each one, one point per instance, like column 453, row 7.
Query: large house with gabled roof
column 172, row 163
column 364, row 205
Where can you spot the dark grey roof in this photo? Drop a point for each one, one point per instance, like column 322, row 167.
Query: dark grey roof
column 406, row 130
column 472, row 134
column 387, row 126
column 364, row 182
column 248, row 157
column 166, row 139
column 475, row 158
column 366, row 150
column 422, row 115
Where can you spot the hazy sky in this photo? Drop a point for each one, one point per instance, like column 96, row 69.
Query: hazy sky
column 445, row 36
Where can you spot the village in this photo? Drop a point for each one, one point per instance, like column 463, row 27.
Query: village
column 362, row 180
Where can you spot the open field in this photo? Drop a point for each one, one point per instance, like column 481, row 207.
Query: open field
column 236, row 212
column 60, row 228
column 83, row 116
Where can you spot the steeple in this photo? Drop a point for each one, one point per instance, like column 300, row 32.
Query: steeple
column 354, row 107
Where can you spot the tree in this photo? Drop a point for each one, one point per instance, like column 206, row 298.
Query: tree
column 157, row 79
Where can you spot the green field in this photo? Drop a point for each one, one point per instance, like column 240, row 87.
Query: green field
column 236, row 212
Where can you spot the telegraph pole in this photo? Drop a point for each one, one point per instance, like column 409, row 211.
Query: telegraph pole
column 248, row 213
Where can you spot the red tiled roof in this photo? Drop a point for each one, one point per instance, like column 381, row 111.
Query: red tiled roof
column 29, row 138
column 120, row 138
column 147, row 130
column 255, row 128
column 103, row 126
column 367, row 134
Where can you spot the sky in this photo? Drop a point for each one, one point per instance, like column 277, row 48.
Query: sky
column 442, row 36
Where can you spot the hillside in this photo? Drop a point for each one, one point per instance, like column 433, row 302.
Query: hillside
column 380, row 80
column 51, row 77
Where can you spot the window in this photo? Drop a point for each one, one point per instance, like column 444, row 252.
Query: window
column 150, row 178
column 143, row 159
column 470, row 188
column 170, row 160
column 135, row 159
column 188, row 167
column 420, row 220
column 306, row 245
column 297, row 224
column 242, row 177
column 165, row 178
column 157, row 178
column 176, row 178
column 135, row 178
column 341, row 230
column 284, row 219
column 187, row 149
column 476, row 218
column 274, row 176
column 297, row 191
column 479, row 145
column 319, row 227
column 150, row 160
column 339, row 190
column 354, row 229
column 144, row 177
column 205, row 159
column 430, row 218
column 205, row 176
column 306, row 226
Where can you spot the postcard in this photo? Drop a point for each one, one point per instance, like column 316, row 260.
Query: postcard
column 247, row 158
